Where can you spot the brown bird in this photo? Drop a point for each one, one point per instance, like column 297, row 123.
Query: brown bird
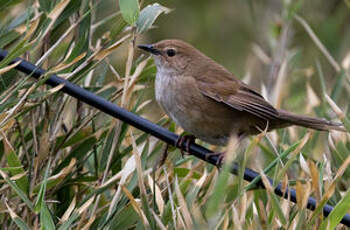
column 209, row 102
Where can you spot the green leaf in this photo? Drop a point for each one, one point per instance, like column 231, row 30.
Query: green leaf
column 283, row 155
column 346, row 123
column 277, row 208
column 46, row 218
column 339, row 85
column 71, row 8
column 20, row 49
column 41, row 195
column 130, row 10
column 45, row 5
column 125, row 218
column 21, row 224
column 79, row 152
column 6, row 3
column 338, row 213
column 16, row 168
column 19, row 192
column 148, row 16
column 182, row 172
column 217, row 198
column 9, row 37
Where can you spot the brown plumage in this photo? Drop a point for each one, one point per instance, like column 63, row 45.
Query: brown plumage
column 207, row 100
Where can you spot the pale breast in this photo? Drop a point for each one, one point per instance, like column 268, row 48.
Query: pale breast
column 165, row 91
column 206, row 119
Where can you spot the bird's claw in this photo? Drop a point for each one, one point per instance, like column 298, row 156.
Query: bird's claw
column 220, row 157
column 188, row 139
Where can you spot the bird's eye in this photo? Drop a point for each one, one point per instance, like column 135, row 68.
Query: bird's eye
column 171, row 52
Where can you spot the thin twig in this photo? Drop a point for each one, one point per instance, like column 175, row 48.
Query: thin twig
column 318, row 43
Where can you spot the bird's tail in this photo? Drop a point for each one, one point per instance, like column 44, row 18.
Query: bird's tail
column 310, row 122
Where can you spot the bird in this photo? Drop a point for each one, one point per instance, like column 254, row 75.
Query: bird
column 210, row 103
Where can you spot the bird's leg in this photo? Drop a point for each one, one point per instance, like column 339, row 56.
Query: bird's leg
column 220, row 157
column 164, row 155
column 188, row 139
column 161, row 160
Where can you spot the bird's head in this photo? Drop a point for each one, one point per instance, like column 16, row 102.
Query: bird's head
column 171, row 55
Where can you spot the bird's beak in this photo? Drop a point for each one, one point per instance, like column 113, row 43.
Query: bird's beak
column 149, row 48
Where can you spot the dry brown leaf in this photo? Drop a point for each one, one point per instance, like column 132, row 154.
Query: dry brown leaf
column 9, row 124
column 335, row 107
column 158, row 195
column 32, row 27
column 111, row 180
column 342, row 168
column 128, row 168
column 284, row 183
column 18, row 176
column 21, row 102
column 9, row 67
column 7, row 145
column 329, row 192
column 86, row 205
column 158, row 221
column 89, row 223
column 299, row 194
column 135, row 206
column 128, row 65
column 261, row 210
column 243, row 208
column 235, row 218
column 100, row 55
column 279, row 87
column 202, row 180
column 65, row 171
column 12, row 213
column 69, row 210
column 306, row 194
column 53, row 15
column 183, row 206
column 139, row 171
column 226, row 222
column 331, row 142
column 315, row 180
column 180, row 221
column 137, row 72
column 266, row 182
column 56, row 89
column 62, row 66
column 304, row 166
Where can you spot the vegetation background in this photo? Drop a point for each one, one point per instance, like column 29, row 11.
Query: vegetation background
column 64, row 165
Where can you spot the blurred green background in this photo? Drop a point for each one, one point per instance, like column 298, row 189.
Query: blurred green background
column 226, row 30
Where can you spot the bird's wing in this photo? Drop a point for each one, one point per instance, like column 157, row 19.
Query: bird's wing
column 239, row 96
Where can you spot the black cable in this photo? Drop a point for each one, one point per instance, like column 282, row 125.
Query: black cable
column 153, row 129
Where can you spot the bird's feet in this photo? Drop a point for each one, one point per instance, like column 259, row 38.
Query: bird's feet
column 220, row 156
column 187, row 139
